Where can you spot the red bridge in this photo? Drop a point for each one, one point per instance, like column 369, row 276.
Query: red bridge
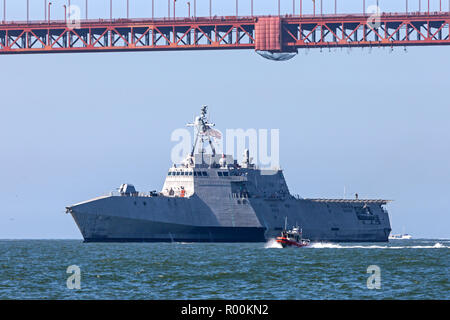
column 283, row 33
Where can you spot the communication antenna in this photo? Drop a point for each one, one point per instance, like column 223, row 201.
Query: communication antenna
column 204, row 130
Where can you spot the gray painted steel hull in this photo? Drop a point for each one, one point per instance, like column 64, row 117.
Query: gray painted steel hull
column 117, row 229
column 161, row 219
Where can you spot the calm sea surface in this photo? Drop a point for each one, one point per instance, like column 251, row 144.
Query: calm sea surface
column 409, row 269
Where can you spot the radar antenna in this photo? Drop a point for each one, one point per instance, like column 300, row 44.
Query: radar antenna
column 204, row 131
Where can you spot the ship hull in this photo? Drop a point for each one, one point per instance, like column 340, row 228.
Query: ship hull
column 118, row 229
column 143, row 219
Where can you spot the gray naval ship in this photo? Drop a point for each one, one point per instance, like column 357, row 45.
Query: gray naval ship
column 213, row 198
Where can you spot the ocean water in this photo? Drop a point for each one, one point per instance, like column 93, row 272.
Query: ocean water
column 408, row 269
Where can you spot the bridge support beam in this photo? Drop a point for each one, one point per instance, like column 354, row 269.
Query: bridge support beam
column 265, row 33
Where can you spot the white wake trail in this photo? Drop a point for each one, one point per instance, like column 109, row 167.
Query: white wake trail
column 272, row 244
column 324, row 245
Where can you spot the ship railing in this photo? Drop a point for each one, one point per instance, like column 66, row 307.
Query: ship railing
column 137, row 194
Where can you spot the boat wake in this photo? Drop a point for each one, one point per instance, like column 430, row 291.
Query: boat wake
column 323, row 245
column 272, row 244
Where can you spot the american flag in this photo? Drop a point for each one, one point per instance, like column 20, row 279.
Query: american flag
column 214, row 133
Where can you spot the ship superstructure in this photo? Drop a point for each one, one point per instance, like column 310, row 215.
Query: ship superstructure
column 211, row 197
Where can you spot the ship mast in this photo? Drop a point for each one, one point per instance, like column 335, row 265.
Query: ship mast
column 203, row 131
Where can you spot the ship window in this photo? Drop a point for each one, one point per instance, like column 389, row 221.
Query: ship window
column 225, row 174
column 178, row 173
column 145, row 203
column 195, row 173
column 219, row 173
column 182, row 173
column 169, row 174
column 190, row 173
column 204, row 173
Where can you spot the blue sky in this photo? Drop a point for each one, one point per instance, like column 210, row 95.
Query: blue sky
column 75, row 126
